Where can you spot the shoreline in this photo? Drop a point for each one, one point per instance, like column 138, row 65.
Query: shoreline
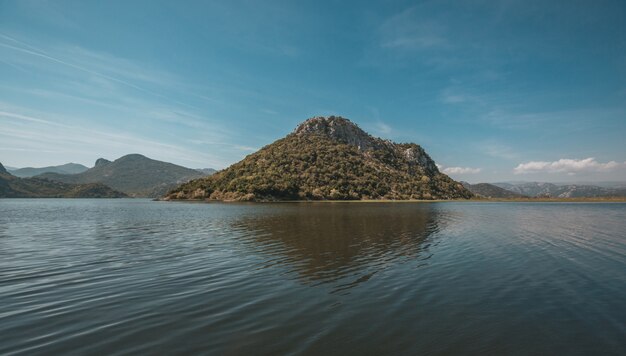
column 485, row 200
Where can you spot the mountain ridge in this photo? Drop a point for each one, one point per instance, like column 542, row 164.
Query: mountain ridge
column 488, row 190
column 133, row 174
column 552, row 190
column 68, row 168
column 17, row 187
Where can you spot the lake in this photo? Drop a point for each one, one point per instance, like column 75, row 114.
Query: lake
column 133, row 276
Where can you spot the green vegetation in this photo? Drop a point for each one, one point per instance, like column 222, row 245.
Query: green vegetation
column 325, row 160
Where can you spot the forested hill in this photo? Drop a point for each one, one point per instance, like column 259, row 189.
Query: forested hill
column 328, row 158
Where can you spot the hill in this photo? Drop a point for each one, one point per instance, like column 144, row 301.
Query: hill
column 16, row 187
column 328, row 159
column 68, row 168
column 133, row 174
column 491, row 191
column 551, row 190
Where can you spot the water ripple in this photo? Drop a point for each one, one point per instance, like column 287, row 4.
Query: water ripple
column 136, row 276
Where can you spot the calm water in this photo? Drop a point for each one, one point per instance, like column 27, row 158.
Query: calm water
column 136, row 276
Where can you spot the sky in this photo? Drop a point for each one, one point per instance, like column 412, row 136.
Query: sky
column 493, row 90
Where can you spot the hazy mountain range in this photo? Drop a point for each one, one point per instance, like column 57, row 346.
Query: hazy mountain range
column 16, row 187
column 545, row 190
column 68, row 168
column 328, row 158
column 540, row 189
column 491, row 191
column 133, row 174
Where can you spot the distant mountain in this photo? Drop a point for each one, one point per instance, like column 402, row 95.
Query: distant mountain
column 491, row 191
column 328, row 158
column 603, row 184
column 540, row 189
column 206, row 171
column 16, row 187
column 69, row 168
column 133, row 174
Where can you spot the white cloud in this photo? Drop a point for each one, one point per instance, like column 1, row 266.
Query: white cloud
column 565, row 165
column 453, row 95
column 378, row 128
column 461, row 170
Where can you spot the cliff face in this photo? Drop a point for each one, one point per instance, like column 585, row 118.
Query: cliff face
column 340, row 129
column 101, row 162
column 345, row 131
column 328, row 158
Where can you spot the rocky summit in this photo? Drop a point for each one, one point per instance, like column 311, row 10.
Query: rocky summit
column 328, row 158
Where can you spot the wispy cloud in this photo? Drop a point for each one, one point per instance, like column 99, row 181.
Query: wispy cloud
column 455, row 96
column 407, row 31
column 493, row 148
column 461, row 170
column 383, row 128
column 88, row 93
column 566, row 165
column 106, row 68
column 39, row 134
column 378, row 128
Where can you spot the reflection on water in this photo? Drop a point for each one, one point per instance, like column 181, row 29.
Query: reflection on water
column 329, row 242
column 140, row 277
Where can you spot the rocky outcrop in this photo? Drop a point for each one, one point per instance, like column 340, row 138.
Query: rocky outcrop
column 344, row 130
column 101, row 162
column 340, row 129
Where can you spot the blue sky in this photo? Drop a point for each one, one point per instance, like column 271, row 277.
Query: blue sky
column 493, row 90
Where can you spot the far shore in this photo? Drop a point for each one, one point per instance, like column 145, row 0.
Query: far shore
column 483, row 200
